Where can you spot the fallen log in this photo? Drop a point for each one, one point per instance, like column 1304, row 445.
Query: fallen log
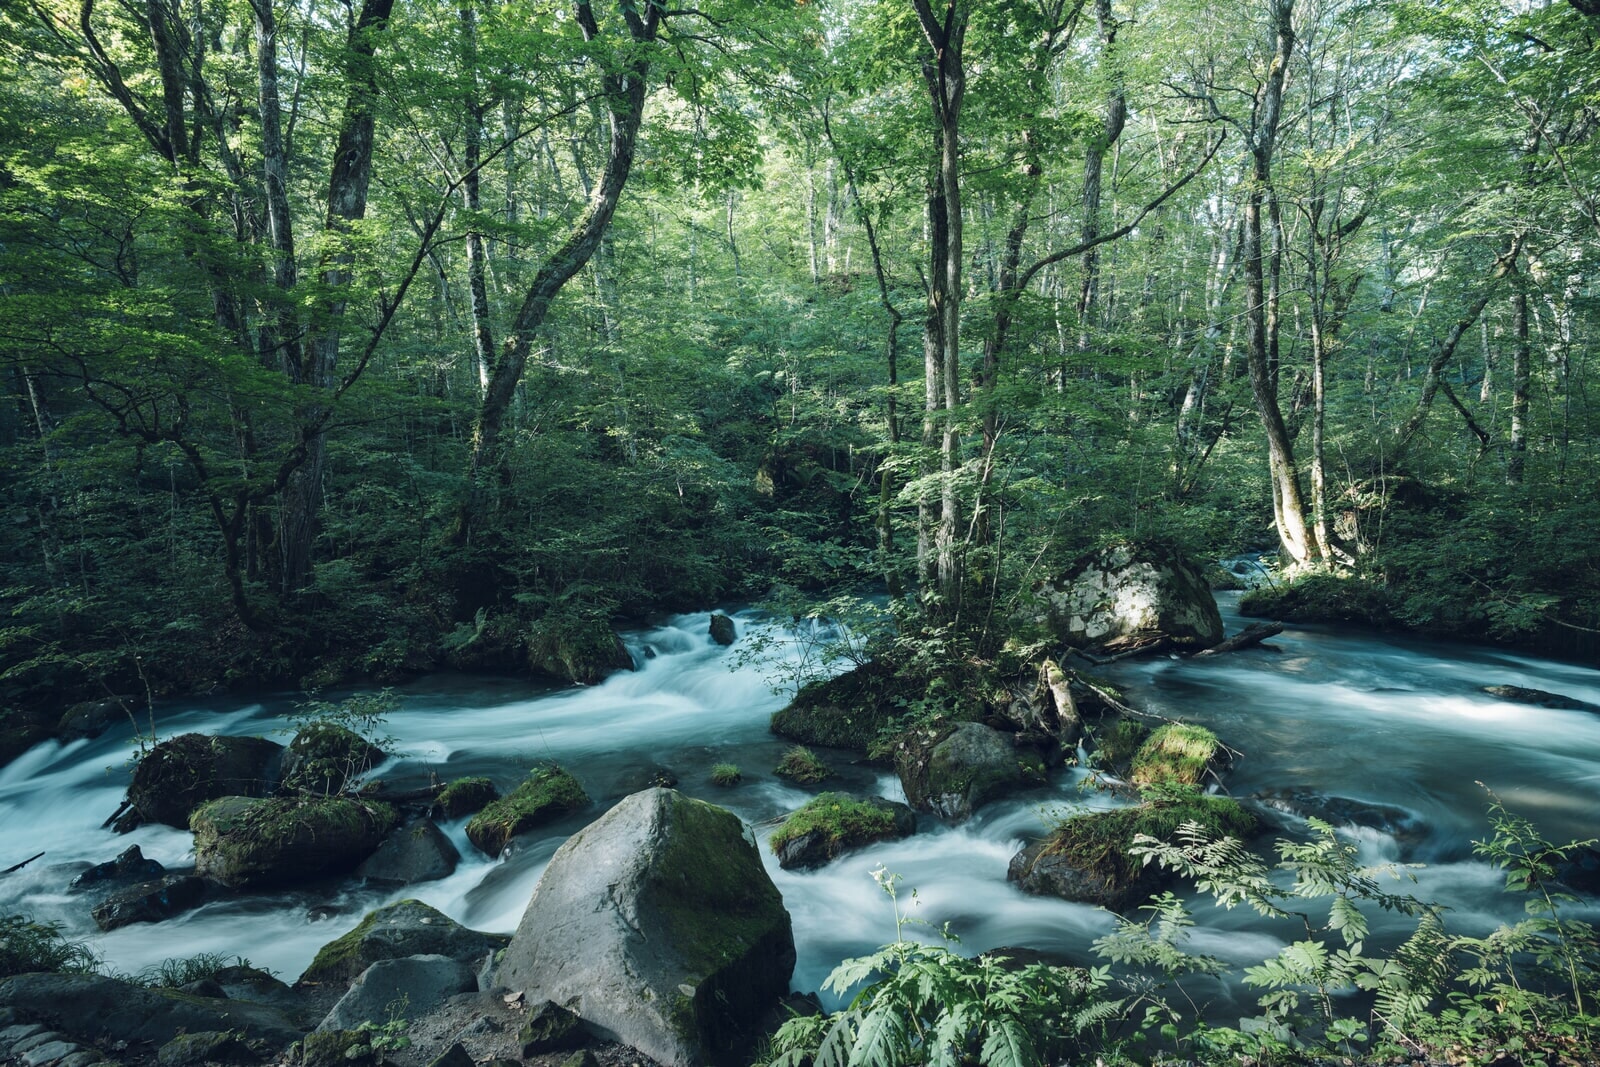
column 1251, row 635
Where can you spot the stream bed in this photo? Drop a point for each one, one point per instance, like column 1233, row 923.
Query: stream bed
column 1393, row 724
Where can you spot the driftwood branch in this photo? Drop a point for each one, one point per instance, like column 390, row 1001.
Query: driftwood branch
column 1250, row 636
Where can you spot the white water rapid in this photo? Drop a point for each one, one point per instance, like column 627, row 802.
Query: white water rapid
column 1394, row 724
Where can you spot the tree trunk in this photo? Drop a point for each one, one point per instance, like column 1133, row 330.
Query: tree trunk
column 1516, row 460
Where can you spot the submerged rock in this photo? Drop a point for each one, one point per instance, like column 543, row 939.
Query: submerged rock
column 128, row 868
column 1539, row 698
column 1130, row 592
column 179, row 774
column 659, row 927
column 955, row 770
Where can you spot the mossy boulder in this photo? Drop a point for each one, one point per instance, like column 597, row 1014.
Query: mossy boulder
column 1319, row 597
column 544, row 796
column 465, row 796
column 248, row 842
column 407, row 928
column 183, row 772
column 1087, row 859
column 1178, row 753
column 849, row 710
column 659, row 927
column 834, row 823
column 952, row 770
column 208, row 1046
column 576, row 649
column 1130, row 591
column 324, row 757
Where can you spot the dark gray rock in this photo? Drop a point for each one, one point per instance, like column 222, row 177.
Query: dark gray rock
column 151, row 902
column 94, row 717
column 415, row 851
column 550, row 1028
column 407, row 988
column 455, row 1056
column 659, row 927
column 722, row 631
column 129, row 868
column 1539, row 698
column 1129, row 591
column 407, row 928
column 1040, row 872
column 209, row 1046
column 183, row 772
column 952, row 772
column 97, row 1008
column 244, row 842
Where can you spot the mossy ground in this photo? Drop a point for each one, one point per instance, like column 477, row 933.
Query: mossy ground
column 545, row 795
column 800, row 764
column 1098, row 842
column 1177, row 752
column 843, row 820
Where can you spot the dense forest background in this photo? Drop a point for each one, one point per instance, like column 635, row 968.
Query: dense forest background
column 369, row 337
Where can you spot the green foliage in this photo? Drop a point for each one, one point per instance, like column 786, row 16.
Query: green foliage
column 27, row 946
column 928, row 1004
column 800, row 764
column 546, row 794
column 181, row 970
column 465, row 796
column 1177, row 753
column 726, row 774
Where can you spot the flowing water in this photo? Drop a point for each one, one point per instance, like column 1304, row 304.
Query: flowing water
column 1392, row 725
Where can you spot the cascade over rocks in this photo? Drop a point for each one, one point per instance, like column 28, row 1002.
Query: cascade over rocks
column 183, row 772
column 1129, row 593
column 659, row 927
column 952, row 771
column 246, row 842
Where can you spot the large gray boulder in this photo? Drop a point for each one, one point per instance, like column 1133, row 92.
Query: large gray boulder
column 953, row 771
column 659, row 927
column 1130, row 592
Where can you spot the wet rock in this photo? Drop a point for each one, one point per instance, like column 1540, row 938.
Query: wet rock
column 151, row 902
column 128, row 868
column 848, row 710
column 659, row 927
column 1398, row 823
column 208, row 1046
column 1129, row 592
column 833, row 824
column 245, row 842
column 722, row 631
column 1539, row 698
column 94, row 717
column 455, row 1056
column 405, row 988
column 953, row 771
column 180, row 774
column 465, row 796
column 408, row 928
column 415, row 851
column 550, row 1028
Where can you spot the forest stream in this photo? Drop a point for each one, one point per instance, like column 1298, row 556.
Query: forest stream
column 1397, row 727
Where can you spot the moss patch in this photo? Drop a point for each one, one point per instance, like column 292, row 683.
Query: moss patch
column 241, row 841
column 843, row 821
column 544, row 796
column 1115, row 748
column 464, row 796
column 1178, row 753
column 800, row 764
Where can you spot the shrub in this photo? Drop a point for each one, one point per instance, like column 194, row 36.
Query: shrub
column 726, row 774
column 27, row 946
column 800, row 764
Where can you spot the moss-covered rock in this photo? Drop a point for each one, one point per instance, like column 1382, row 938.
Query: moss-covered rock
column 800, row 764
column 183, row 772
column 1178, row 753
column 248, row 842
column 575, row 648
column 550, row 1028
column 465, row 796
column 849, row 710
column 406, row 928
column 544, row 796
column 659, row 923
column 834, row 823
column 952, row 770
column 323, row 757
column 1320, row 597
column 1086, row 858
column 208, row 1046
